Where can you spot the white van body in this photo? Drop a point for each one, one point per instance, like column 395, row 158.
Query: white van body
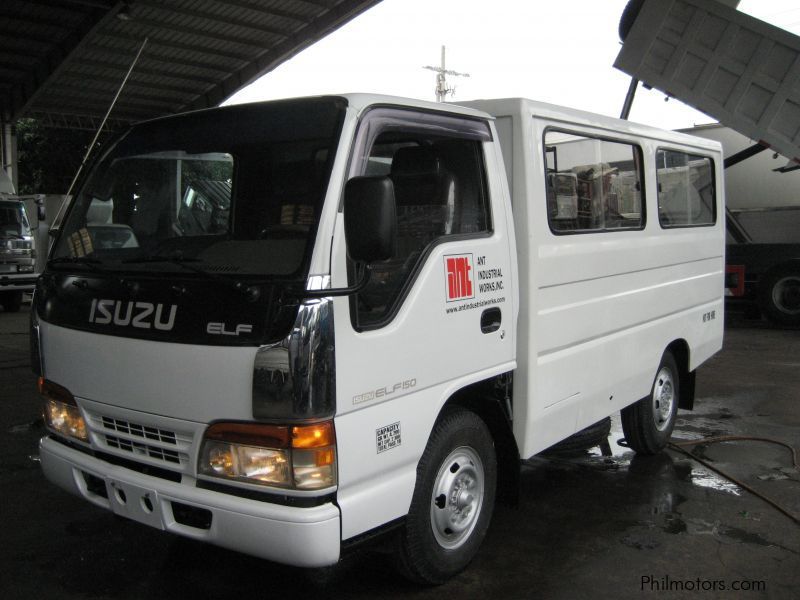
column 538, row 327
column 597, row 302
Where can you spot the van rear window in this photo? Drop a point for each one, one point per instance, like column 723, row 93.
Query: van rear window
column 592, row 184
column 686, row 195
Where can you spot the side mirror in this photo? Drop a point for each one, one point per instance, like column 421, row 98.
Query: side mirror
column 370, row 219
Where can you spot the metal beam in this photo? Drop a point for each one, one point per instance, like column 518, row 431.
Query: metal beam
column 136, row 81
column 67, row 120
column 78, row 95
column 743, row 155
column 18, row 34
column 272, row 57
column 202, row 33
column 159, row 43
column 95, row 109
column 214, row 18
column 77, row 90
column 29, row 19
column 33, row 87
column 106, row 5
column 154, row 58
column 259, row 7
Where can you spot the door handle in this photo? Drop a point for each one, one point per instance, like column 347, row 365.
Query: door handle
column 490, row 320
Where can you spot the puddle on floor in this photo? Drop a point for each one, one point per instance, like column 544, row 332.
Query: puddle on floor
column 707, row 479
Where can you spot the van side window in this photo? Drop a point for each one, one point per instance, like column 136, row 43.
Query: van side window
column 686, row 195
column 592, row 184
column 440, row 192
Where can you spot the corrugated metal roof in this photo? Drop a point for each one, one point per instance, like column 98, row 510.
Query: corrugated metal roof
column 62, row 61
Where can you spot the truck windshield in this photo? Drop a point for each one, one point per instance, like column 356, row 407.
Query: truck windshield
column 13, row 220
column 234, row 191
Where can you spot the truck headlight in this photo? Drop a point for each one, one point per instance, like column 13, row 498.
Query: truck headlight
column 61, row 412
column 296, row 457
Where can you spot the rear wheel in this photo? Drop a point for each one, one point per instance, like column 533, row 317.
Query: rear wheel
column 648, row 423
column 453, row 499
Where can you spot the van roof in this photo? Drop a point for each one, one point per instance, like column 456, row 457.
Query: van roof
column 523, row 106
column 492, row 108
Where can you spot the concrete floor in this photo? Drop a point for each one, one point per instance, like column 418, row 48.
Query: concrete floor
column 586, row 527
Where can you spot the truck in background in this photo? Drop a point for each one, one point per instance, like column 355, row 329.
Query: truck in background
column 17, row 247
column 738, row 70
column 763, row 227
column 764, row 275
column 288, row 327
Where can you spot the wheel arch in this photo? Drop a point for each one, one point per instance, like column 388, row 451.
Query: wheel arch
column 487, row 400
column 682, row 354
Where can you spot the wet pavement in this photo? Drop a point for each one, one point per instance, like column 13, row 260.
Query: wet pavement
column 586, row 526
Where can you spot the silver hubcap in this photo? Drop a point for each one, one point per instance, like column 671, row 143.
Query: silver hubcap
column 786, row 295
column 663, row 398
column 457, row 497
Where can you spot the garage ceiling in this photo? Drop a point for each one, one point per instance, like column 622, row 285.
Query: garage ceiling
column 62, row 61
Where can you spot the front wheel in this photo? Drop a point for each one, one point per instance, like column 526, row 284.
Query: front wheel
column 648, row 423
column 453, row 499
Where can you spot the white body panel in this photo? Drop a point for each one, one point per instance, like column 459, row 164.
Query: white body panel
column 599, row 309
column 183, row 381
column 306, row 537
column 440, row 351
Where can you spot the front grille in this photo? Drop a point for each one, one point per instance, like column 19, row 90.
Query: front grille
column 135, row 447
column 150, row 433
column 144, row 443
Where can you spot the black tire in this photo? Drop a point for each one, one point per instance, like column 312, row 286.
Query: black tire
column 779, row 296
column 453, row 500
column 648, row 423
column 11, row 301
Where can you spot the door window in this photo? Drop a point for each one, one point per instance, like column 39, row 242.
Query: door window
column 436, row 166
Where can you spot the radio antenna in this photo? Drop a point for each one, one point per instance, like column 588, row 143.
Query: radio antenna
column 103, row 123
column 441, row 82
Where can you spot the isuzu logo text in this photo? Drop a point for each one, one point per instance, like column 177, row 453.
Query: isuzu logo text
column 142, row 315
column 458, row 270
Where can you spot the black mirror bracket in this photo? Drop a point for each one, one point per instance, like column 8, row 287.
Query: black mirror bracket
column 345, row 291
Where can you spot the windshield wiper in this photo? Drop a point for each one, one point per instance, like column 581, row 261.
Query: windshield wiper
column 252, row 292
column 88, row 261
column 14, row 236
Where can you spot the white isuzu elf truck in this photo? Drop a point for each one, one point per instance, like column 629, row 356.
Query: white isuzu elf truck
column 285, row 327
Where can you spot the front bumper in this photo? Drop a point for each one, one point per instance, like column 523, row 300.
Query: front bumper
column 304, row 537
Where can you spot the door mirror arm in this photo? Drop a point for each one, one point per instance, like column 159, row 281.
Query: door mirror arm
column 345, row 291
